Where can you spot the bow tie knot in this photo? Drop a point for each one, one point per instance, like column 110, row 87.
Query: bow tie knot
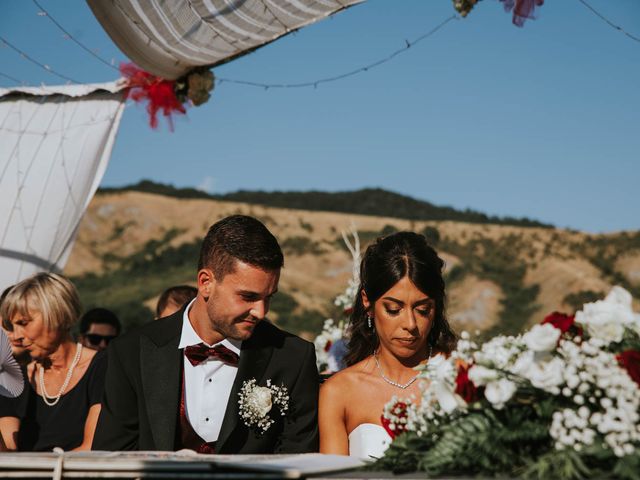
column 197, row 354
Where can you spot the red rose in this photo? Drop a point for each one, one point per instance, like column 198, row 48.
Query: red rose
column 630, row 360
column 327, row 346
column 399, row 410
column 348, row 311
column 465, row 387
column 561, row 321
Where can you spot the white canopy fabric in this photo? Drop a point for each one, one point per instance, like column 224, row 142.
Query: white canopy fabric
column 11, row 380
column 169, row 38
column 55, row 143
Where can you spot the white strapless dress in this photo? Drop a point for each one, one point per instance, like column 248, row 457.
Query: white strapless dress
column 368, row 441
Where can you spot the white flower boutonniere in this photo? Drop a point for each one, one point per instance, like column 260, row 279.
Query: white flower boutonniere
column 256, row 402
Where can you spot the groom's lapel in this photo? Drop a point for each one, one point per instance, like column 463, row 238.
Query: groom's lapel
column 160, row 362
column 254, row 358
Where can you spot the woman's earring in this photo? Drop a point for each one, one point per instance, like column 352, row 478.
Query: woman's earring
column 369, row 320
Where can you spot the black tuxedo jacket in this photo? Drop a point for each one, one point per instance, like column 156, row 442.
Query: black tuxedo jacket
column 142, row 391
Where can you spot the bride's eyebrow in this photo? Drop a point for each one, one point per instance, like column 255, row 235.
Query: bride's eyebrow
column 424, row 301
column 400, row 302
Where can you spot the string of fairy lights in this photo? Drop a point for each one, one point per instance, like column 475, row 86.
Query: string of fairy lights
column 266, row 86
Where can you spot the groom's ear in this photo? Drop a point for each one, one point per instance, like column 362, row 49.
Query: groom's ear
column 206, row 281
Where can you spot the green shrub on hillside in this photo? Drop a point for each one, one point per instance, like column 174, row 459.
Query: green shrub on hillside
column 498, row 261
column 432, row 235
column 368, row 201
column 300, row 245
column 577, row 299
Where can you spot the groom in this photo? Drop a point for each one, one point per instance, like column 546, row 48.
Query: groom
column 175, row 383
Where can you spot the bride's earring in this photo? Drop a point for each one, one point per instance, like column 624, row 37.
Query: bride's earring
column 369, row 320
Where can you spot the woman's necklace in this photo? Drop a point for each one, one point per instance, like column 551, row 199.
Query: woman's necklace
column 43, row 390
column 403, row 386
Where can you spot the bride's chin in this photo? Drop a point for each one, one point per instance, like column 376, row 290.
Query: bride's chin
column 405, row 352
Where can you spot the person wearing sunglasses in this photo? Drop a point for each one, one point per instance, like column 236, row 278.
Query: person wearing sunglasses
column 98, row 327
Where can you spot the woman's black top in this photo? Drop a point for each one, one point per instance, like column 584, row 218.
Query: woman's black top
column 43, row 427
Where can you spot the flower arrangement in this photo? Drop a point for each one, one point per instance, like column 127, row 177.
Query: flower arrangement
column 331, row 344
column 328, row 346
column 561, row 401
column 522, row 9
column 256, row 402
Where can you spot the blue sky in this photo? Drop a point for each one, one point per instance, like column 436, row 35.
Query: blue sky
column 541, row 121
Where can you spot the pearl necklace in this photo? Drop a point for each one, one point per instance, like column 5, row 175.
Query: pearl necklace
column 402, row 386
column 43, row 390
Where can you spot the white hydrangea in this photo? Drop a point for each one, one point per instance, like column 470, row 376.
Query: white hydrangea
column 607, row 400
column 500, row 352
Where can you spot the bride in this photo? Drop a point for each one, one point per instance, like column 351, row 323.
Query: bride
column 397, row 323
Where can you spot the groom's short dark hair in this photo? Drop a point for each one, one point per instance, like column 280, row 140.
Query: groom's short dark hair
column 239, row 237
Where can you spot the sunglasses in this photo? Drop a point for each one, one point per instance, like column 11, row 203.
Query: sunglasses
column 96, row 339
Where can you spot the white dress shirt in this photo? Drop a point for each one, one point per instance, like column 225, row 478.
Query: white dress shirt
column 207, row 385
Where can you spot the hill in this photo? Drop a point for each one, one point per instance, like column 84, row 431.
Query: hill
column 368, row 201
column 132, row 245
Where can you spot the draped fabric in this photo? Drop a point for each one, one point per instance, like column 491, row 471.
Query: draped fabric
column 55, row 143
column 169, row 38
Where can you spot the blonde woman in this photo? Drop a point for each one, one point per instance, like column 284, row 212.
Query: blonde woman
column 65, row 381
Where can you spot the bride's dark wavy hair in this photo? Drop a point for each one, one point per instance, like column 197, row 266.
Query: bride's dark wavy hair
column 385, row 263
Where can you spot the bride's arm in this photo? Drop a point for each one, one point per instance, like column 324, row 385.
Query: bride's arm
column 332, row 419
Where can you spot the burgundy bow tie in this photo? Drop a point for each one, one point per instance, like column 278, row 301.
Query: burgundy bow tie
column 197, row 354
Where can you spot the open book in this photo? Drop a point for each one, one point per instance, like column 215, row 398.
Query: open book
column 161, row 464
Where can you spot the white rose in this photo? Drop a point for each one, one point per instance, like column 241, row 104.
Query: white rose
column 620, row 296
column 481, row 375
column 446, row 396
column 546, row 375
column 260, row 400
column 523, row 363
column 542, row 338
column 606, row 319
column 499, row 392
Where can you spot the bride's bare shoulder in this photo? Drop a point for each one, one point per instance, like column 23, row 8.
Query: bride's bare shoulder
column 348, row 377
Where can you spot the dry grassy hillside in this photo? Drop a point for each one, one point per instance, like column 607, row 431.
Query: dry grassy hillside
column 496, row 274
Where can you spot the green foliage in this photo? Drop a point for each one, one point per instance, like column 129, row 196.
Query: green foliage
column 627, row 467
column 147, row 186
column 369, row 201
column 482, row 442
column 456, row 274
column 603, row 251
column 388, row 230
column 498, row 261
column 300, row 245
column 566, row 466
column 286, row 308
column 513, row 442
column 577, row 299
column 143, row 275
column 119, row 230
column 306, row 226
column 432, row 235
